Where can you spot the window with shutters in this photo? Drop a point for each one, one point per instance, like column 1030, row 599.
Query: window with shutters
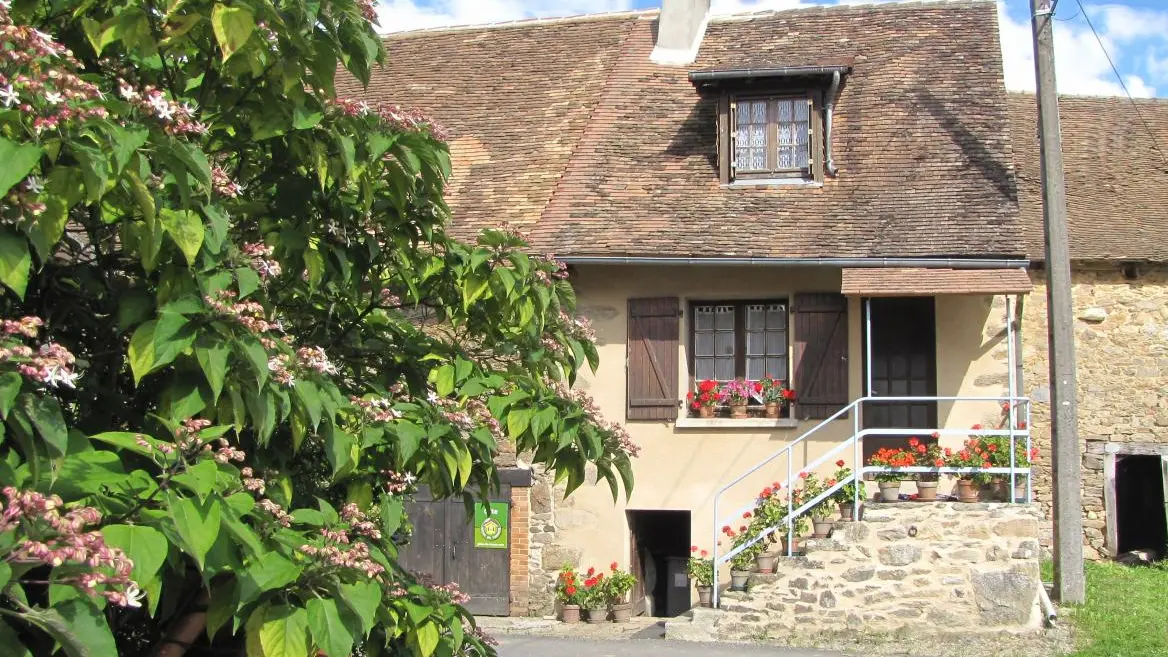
column 739, row 339
column 771, row 137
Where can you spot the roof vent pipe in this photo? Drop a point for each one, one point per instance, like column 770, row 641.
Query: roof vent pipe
column 680, row 28
column 829, row 109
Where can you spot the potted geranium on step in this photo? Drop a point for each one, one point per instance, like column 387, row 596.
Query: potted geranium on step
column 619, row 585
column 972, row 455
column 889, row 482
column 701, row 572
column 741, row 563
column 821, row 513
column 568, row 594
column 845, row 497
column 926, row 456
column 595, row 598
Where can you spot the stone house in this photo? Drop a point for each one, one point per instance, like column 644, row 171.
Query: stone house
column 824, row 195
column 1119, row 250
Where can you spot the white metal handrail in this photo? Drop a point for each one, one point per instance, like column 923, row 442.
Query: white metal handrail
column 1011, row 403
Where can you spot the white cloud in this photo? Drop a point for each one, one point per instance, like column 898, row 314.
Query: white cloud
column 1124, row 23
column 398, row 15
column 1081, row 66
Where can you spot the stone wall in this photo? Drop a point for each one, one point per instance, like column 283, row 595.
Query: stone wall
column 1121, row 338
column 905, row 567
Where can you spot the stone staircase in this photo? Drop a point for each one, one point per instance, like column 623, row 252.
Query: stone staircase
column 905, row 567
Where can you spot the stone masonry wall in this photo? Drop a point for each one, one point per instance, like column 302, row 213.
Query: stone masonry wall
column 907, row 567
column 1121, row 339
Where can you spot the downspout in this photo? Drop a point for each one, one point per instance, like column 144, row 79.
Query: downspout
column 829, row 109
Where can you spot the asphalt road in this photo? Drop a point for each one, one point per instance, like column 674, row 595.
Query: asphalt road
column 537, row 646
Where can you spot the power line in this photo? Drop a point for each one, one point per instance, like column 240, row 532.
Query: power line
column 1122, row 84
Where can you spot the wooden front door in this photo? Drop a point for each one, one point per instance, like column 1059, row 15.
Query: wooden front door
column 904, row 364
column 443, row 547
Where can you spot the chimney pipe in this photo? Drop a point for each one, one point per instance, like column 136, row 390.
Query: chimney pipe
column 680, row 28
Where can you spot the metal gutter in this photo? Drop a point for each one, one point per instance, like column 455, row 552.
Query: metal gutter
column 829, row 110
column 766, row 72
column 928, row 263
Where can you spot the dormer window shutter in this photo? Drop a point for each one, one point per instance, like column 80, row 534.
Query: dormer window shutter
column 813, row 152
column 733, row 136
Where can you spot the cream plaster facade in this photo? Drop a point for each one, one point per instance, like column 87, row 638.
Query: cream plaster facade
column 682, row 468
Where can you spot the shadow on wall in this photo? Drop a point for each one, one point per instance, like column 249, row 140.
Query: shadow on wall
column 962, row 344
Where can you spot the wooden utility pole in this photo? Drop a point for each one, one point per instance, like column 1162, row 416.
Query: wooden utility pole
column 1069, row 581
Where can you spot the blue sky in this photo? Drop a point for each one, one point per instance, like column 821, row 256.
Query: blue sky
column 1135, row 32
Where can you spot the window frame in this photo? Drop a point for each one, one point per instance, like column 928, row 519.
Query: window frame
column 740, row 331
column 772, row 170
column 727, row 129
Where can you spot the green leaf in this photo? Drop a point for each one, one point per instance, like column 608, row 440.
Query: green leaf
column 339, row 449
column 255, row 354
column 333, row 627
column 309, row 397
column 10, row 383
column 141, row 350
column 285, row 632
column 444, row 384
column 18, row 159
column 86, row 473
column 518, row 420
column 221, row 607
column 186, row 229
column 409, row 438
column 78, row 626
column 543, row 420
column 391, row 515
column 216, row 231
column 363, row 598
column 5, row 574
column 15, row 261
column 199, row 478
column 427, row 638
column 233, row 26
column 247, row 280
column 124, row 142
column 145, row 546
column 11, row 641
column 213, row 361
column 197, row 524
column 45, row 414
column 270, row 571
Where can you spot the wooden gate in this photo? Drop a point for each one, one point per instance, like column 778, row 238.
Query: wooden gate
column 443, row 547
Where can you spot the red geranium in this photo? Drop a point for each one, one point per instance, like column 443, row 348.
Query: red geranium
column 707, row 386
column 839, row 463
column 612, row 566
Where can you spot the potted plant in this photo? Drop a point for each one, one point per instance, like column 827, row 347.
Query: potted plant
column 737, row 394
column 998, row 449
column 742, row 562
column 927, row 456
column 594, row 598
column 820, row 513
column 619, row 584
column 845, row 497
column 568, row 594
column 704, row 402
column 889, row 482
column 972, row 455
column 776, row 396
column 701, row 571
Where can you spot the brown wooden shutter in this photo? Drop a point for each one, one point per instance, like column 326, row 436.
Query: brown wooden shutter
column 724, row 131
column 652, row 358
column 821, row 354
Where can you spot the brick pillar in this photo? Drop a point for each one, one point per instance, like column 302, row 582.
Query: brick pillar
column 520, row 549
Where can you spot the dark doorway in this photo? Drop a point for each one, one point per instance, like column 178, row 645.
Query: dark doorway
column 660, row 542
column 443, row 547
column 904, row 364
column 1139, row 503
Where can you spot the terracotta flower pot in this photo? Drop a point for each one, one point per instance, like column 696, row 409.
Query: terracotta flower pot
column 783, row 546
column 823, row 527
column 705, row 595
column 927, row 491
column 622, row 612
column 968, row 490
column 596, row 616
column 706, row 411
column 764, row 562
column 738, row 411
column 738, row 579
column 889, row 491
column 773, row 408
column 846, row 511
column 570, row 614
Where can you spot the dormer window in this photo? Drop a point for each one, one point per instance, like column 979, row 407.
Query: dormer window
column 774, row 122
column 771, row 136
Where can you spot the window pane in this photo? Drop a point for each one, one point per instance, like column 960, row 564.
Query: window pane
column 756, row 343
column 785, row 109
column 704, row 318
column 755, row 318
column 777, row 368
column 724, row 369
column 754, row 368
column 725, row 318
column 776, row 343
column 776, row 317
column 724, row 343
column 703, row 368
column 800, row 109
column 704, row 344
column 758, row 112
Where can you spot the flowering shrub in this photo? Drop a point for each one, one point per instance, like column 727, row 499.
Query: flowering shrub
column 568, row 590
column 619, row 583
column 739, row 391
column 700, row 567
column 230, row 308
column 847, row 493
column 974, row 454
column 706, row 396
column 773, row 390
column 892, row 458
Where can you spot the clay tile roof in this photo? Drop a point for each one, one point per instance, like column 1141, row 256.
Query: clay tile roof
column 1116, row 180
column 567, row 129
column 911, row 281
